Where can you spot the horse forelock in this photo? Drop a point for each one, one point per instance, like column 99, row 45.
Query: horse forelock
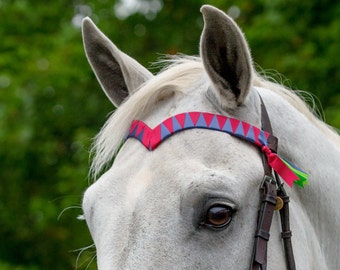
column 176, row 77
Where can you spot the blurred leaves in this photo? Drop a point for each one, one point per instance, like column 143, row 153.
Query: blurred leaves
column 51, row 105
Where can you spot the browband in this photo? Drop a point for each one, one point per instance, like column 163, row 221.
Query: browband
column 151, row 138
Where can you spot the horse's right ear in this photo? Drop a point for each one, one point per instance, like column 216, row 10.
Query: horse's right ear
column 118, row 74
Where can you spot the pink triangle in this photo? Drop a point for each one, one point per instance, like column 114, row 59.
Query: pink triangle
column 155, row 138
column 256, row 135
column 181, row 119
column 208, row 118
column 246, row 127
column 194, row 116
column 146, row 136
column 221, row 120
column 234, row 124
column 168, row 124
column 266, row 134
column 141, row 126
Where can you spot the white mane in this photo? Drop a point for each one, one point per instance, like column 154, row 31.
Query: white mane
column 178, row 73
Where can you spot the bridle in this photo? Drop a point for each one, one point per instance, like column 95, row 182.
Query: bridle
column 273, row 197
column 273, row 194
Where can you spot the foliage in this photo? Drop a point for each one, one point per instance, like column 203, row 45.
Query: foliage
column 51, row 105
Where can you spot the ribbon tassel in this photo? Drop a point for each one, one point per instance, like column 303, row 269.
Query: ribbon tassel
column 287, row 171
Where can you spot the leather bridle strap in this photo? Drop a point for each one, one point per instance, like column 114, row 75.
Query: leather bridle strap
column 285, row 226
column 265, row 216
column 271, row 187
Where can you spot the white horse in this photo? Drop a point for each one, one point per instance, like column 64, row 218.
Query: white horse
column 192, row 203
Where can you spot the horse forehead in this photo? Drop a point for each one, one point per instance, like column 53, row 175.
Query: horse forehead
column 183, row 154
column 137, row 186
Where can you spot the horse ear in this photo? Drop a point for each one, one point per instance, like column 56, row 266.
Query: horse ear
column 226, row 57
column 118, row 74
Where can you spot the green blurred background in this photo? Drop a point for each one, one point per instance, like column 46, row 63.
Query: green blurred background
column 51, row 105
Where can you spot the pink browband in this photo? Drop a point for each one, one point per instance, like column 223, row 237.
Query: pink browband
column 151, row 138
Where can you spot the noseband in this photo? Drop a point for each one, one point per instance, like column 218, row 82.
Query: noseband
column 272, row 191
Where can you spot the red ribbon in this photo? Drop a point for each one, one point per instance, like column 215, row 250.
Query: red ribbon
column 276, row 163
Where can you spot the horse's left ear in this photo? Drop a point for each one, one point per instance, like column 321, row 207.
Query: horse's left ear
column 226, row 57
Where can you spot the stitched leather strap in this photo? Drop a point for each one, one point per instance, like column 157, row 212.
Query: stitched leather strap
column 267, row 207
column 268, row 201
column 285, row 227
column 265, row 216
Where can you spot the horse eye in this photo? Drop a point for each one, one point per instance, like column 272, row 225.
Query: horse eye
column 218, row 216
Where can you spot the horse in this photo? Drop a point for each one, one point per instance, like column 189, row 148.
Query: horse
column 180, row 168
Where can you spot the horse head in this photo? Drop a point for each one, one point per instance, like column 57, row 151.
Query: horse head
column 193, row 202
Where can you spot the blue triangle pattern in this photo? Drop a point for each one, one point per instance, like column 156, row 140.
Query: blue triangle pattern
column 262, row 138
column 140, row 135
column 214, row 123
column 227, row 127
column 201, row 122
column 175, row 124
column 164, row 132
column 188, row 121
column 251, row 135
column 239, row 131
column 134, row 131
